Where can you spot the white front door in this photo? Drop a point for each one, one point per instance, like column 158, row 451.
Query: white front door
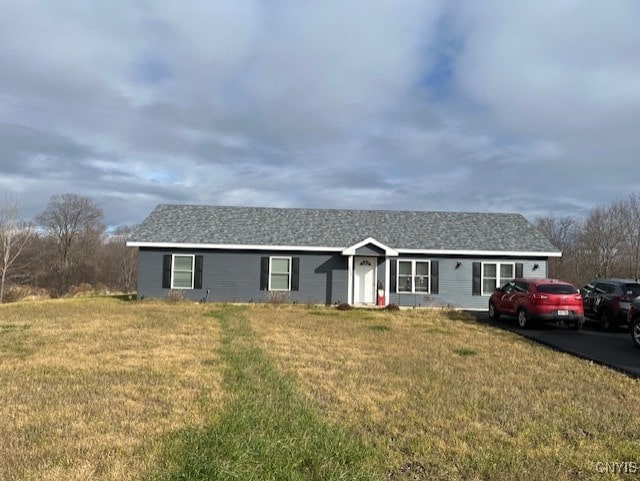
column 364, row 280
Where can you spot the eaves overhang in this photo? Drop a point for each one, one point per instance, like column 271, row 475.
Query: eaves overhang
column 347, row 251
column 480, row 253
column 246, row 247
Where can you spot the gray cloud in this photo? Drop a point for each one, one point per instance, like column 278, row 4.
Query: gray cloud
column 402, row 105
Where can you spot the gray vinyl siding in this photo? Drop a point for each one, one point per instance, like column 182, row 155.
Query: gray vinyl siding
column 455, row 284
column 234, row 276
column 381, row 268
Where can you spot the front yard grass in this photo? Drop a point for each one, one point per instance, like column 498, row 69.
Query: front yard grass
column 104, row 389
column 89, row 387
column 267, row 431
column 444, row 397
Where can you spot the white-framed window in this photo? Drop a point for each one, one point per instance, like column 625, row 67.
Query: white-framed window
column 496, row 274
column 182, row 269
column 414, row 276
column 280, row 273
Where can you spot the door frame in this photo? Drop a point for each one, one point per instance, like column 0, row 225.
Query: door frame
column 355, row 278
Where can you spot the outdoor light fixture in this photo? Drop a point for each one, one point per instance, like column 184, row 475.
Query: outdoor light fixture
column 458, row 265
column 535, row 267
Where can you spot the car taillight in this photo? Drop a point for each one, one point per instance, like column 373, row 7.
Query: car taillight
column 578, row 298
column 539, row 297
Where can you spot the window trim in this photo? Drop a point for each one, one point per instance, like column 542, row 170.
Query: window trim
column 173, row 270
column 413, row 276
column 499, row 281
column 289, row 272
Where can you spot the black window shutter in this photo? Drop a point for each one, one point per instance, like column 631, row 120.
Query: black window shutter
column 264, row 273
column 477, row 279
column 295, row 273
column 166, row 271
column 197, row 279
column 392, row 275
column 435, row 284
column 519, row 269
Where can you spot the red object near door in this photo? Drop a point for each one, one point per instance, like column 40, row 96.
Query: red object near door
column 380, row 299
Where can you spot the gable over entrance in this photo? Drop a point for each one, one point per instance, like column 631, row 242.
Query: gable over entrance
column 369, row 246
column 364, row 257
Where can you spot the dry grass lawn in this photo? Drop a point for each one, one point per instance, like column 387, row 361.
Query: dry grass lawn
column 88, row 388
column 95, row 389
column 453, row 399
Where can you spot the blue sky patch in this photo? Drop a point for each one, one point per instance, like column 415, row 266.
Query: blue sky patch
column 447, row 46
column 153, row 70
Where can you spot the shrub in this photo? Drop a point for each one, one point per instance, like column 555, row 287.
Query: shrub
column 392, row 307
column 83, row 289
column 428, row 300
column 174, row 295
column 343, row 306
column 277, row 298
column 15, row 292
column 102, row 289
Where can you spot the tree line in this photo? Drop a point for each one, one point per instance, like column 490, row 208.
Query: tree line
column 64, row 249
column 604, row 244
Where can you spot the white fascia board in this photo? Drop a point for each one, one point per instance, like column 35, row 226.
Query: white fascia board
column 246, row 247
column 345, row 251
column 446, row 252
column 351, row 250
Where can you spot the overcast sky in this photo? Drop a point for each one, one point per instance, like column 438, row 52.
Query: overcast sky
column 505, row 106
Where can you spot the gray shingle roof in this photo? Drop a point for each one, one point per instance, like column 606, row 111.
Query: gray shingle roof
column 459, row 231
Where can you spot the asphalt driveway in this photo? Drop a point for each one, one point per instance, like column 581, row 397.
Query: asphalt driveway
column 613, row 349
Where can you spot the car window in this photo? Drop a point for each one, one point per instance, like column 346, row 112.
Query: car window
column 615, row 289
column 601, row 288
column 632, row 289
column 589, row 288
column 521, row 286
column 557, row 289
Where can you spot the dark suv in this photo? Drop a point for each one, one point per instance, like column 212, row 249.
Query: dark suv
column 634, row 321
column 608, row 300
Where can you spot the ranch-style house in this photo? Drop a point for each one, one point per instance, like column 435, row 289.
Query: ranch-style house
column 331, row 256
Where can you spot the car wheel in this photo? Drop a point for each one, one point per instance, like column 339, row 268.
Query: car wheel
column 635, row 331
column 575, row 324
column 523, row 318
column 606, row 319
column 494, row 315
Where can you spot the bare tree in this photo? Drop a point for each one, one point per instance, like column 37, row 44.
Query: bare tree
column 631, row 224
column 74, row 223
column 14, row 235
column 603, row 239
column 564, row 233
column 120, row 263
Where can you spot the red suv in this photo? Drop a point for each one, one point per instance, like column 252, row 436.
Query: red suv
column 544, row 300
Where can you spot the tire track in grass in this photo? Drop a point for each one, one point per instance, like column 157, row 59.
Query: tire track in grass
column 267, row 431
